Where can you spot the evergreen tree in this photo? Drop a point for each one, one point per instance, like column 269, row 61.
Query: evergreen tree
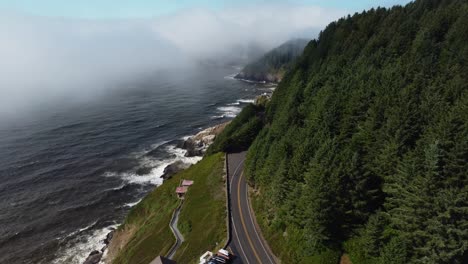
column 365, row 141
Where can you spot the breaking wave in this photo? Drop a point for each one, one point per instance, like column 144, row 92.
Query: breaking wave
column 246, row 101
column 79, row 248
column 155, row 166
column 130, row 205
column 229, row 111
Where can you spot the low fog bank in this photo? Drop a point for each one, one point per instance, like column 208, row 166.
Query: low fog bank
column 53, row 61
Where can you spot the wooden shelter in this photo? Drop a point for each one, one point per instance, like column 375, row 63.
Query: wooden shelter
column 187, row 183
column 181, row 191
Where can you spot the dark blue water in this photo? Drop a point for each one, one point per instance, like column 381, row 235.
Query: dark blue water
column 68, row 177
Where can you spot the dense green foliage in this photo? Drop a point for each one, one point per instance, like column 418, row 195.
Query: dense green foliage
column 365, row 145
column 151, row 217
column 241, row 132
column 272, row 66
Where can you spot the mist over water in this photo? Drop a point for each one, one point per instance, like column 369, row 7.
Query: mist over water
column 48, row 62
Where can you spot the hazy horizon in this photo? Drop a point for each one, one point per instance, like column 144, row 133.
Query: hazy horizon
column 48, row 60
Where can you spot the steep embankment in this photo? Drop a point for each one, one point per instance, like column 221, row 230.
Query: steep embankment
column 366, row 142
column 202, row 221
column 272, row 66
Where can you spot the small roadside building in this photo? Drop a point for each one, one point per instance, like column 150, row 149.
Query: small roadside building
column 187, row 183
column 181, row 190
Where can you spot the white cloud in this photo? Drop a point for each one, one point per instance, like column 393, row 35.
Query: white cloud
column 46, row 59
column 201, row 32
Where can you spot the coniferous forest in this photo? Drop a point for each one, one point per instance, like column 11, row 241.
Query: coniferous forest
column 364, row 144
column 272, row 66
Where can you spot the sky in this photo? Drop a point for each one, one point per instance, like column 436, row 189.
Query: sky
column 56, row 51
column 106, row 9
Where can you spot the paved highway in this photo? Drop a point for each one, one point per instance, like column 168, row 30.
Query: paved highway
column 247, row 242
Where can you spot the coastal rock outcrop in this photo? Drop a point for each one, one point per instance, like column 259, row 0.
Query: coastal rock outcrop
column 260, row 77
column 94, row 257
column 199, row 143
column 108, row 238
column 173, row 168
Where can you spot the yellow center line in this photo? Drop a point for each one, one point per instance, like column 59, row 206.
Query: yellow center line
column 243, row 222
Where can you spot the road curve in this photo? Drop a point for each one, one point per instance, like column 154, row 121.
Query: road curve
column 247, row 242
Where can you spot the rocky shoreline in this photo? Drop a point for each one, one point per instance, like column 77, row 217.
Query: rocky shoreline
column 199, row 143
column 95, row 256
column 195, row 145
column 259, row 77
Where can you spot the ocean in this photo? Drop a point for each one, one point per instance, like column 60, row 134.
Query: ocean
column 69, row 177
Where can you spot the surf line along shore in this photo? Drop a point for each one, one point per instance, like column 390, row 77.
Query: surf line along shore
column 194, row 146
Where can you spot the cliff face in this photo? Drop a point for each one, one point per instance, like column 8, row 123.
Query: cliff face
column 272, row 66
column 365, row 144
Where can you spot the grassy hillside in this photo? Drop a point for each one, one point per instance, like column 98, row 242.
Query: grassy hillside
column 272, row 66
column 366, row 142
column 202, row 220
column 146, row 233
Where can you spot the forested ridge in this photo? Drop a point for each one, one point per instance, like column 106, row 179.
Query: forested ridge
column 272, row 66
column 365, row 142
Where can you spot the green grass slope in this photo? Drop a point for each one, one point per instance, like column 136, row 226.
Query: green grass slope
column 146, row 233
column 202, row 220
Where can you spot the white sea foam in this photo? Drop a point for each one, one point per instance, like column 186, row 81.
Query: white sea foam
column 86, row 227
column 83, row 245
column 229, row 111
column 153, row 178
column 180, row 155
column 79, row 230
column 250, row 81
column 157, row 165
column 132, row 204
column 157, row 145
column 217, row 117
column 230, row 76
column 120, row 187
column 246, row 101
column 242, row 101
